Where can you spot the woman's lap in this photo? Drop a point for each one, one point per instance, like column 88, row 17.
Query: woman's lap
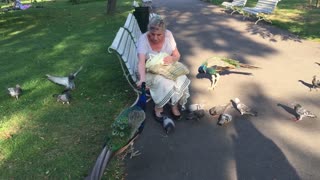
column 163, row 90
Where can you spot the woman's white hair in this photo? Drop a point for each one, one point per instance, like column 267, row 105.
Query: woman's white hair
column 157, row 23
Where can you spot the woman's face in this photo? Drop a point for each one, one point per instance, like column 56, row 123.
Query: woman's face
column 156, row 36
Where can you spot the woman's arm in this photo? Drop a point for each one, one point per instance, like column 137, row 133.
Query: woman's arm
column 141, row 69
column 174, row 57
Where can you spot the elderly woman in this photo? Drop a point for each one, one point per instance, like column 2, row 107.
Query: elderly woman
column 160, row 40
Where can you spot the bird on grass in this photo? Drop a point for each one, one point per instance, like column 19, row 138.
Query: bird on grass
column 126, row 128
column 216, row 65
column 15, row 91
column 64, row 97
column 315, row 83
column 66, row 81
column 242, row 108
column 301, row 112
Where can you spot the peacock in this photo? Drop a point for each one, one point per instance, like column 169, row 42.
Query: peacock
column 125, row 129
column 215, row 65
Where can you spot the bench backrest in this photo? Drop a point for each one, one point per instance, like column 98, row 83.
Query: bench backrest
column 239, row 2
column 132, row 26
column 125, row 48
column 268, row 6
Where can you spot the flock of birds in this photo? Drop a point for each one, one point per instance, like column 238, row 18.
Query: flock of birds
column 66, row 81
column 219, row 65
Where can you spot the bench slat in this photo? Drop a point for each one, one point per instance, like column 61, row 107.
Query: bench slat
column 125, row 47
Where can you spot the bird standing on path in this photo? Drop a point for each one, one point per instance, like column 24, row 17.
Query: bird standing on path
column 315, row 83
column 125, row 129
column 218, row 110
column 301, row 112
column 66, row 81
column 216, row 65
column 242, row 108
column 15, row 91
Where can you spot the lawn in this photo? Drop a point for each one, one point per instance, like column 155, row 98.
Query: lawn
column 41, row 138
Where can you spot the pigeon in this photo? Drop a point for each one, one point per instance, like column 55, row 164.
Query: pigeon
column 301, row 112
column 67, row 82
column 15, row 91
column 218, row 110
column 224, row 119
column 168, row 124
column 315, row 83
column 242, row 108
column 196, row 115
column 64, row 97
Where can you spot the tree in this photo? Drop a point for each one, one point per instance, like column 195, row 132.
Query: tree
column 111, row 6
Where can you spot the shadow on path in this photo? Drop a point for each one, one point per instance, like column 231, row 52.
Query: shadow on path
column 266, row 162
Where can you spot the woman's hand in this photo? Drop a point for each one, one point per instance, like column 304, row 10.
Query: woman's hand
column 168, row 60
column 139, row 83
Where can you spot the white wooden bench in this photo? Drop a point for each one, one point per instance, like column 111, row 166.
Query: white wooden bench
column 235, row 5
column 125, row 48
column 262, row 9
column 132, row 26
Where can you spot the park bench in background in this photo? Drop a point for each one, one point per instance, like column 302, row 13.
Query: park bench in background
column 235, row 5
column 262, row 9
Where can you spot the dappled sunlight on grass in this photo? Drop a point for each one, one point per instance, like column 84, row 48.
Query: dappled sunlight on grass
column 56, row 140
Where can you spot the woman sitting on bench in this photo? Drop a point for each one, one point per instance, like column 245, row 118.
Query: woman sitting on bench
column 163, row 90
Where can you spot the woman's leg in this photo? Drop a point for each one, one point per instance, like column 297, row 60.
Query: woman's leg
column 158, row 111
column 175, row 110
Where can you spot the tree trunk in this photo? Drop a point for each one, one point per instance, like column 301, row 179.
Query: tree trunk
column 111, row 7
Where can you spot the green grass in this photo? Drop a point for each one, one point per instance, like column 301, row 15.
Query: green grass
column 39, row 137
column 295, row 16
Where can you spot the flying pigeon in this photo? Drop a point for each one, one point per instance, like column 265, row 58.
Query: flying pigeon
column 242, row 108
column 64, row 97
column 15, row 91
column 301, row 112
column 315, row 83
column 67, row 82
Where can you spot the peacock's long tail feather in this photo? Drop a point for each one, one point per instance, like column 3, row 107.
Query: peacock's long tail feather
column 228, row 62
column 248, row 66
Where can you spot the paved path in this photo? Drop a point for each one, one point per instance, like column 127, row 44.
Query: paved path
column 270, row 146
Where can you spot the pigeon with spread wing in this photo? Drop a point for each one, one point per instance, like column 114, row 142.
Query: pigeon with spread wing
column 66, row 81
